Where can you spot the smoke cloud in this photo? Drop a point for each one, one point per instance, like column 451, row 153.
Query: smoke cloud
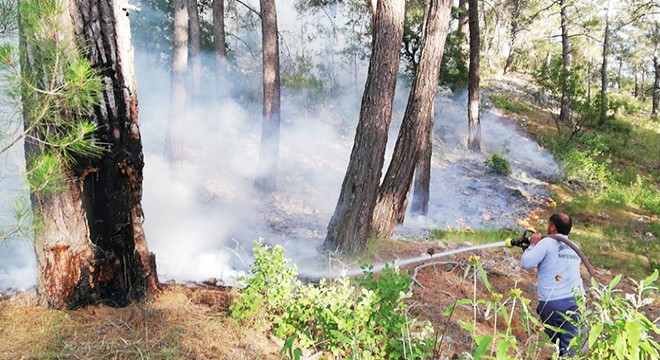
column 203, row 216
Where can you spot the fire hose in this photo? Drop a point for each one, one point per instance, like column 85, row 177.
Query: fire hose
column 523, row 242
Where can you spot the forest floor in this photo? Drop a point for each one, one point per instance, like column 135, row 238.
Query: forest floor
column 191, row 321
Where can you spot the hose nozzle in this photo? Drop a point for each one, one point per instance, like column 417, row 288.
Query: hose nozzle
column 522, row 241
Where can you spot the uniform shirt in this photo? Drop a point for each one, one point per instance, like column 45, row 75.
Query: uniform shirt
column 558, row 268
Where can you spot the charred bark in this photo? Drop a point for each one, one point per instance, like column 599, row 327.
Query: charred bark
column 175, row 132
column 474, row 121
column 417, row 122
column 90, row 243
column 350, row 224
column 270, row 130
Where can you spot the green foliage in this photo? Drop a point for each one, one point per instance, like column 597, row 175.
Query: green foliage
column 454, row 67
column 498, row 164
column 8, row 17
column 59, row 89
column 504, row 102
column 589, row 170
column 617, row 329
column 368, row 321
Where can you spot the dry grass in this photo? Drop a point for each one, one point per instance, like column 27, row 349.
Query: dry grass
column 182, row 323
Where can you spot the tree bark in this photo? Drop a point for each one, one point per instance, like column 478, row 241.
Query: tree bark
column 195, row 50
column 515, row 28
column 174, row 141
column 565, row 105
column 90, row 244
column 422, row 183
column 270, row 131
column 219, row 43
column 603, row 73
column 656, row 87
column 463, row 26
column 417, row 121
column 350, row 224
column 474, row 121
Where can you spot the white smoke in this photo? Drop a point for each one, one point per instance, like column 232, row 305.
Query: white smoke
column 203, row 216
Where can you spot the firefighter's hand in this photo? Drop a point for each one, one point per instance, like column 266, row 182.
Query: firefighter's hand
column 535, row 238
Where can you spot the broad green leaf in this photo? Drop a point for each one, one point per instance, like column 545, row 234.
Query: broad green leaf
column 651, row 279
column 482, row 346
column 594, row 333
column 458, row 303
column 620, row 346
column 634, row 331
column 502, row 350
column 467, row 326
column 341, row 337
column 615, row 281
column 484, row 278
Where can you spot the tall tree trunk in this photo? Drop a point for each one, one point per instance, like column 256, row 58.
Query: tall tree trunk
column 636, row 75
column 656, row 87
column 266, row 179
column 351, row 222
column 417, row 121
column 90, row 244
column 515, row 28
column 175, row 134
column 565, row 105
column 219, row 43
column 474, row 121
column 422, row 182
column 643, row 86
column 463, row 26
column 603, row 73
column 195, row 50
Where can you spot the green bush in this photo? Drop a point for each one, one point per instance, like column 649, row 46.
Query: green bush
column 617, row 329
column 367, row 321
column 499, row 164
column 504, row 102
column 587, row 169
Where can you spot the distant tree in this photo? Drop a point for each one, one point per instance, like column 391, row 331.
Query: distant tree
column 417, row 121
column 174, row 140
column 565, row 104
column 350, row 224
column 83, row 154
column 270, row 129
column 195, row 49
column 220, row 46
column 474, row 121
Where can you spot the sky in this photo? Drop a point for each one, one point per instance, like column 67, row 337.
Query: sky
column 203, row 216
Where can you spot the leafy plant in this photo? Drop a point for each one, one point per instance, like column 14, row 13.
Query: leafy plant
column 617, row 327
column 367, row 321
column 499, row 164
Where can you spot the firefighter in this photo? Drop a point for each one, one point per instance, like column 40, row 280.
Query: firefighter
column 559, row 279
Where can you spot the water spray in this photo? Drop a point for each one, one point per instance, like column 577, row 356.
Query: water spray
column 522, row 242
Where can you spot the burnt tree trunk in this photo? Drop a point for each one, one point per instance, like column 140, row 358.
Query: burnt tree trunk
column 350, row 224
column 565, row 105
column 266, row 179
column 195, row 50
column 417, row 121
column 474, row 121
column 219, row 43
column 175, row 133
column 90, row 244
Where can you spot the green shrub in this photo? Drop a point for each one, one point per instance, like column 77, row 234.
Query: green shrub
column 368, row 321
column 617, row 329
column 499, row 164
column 587, row 169
column 504, row 102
